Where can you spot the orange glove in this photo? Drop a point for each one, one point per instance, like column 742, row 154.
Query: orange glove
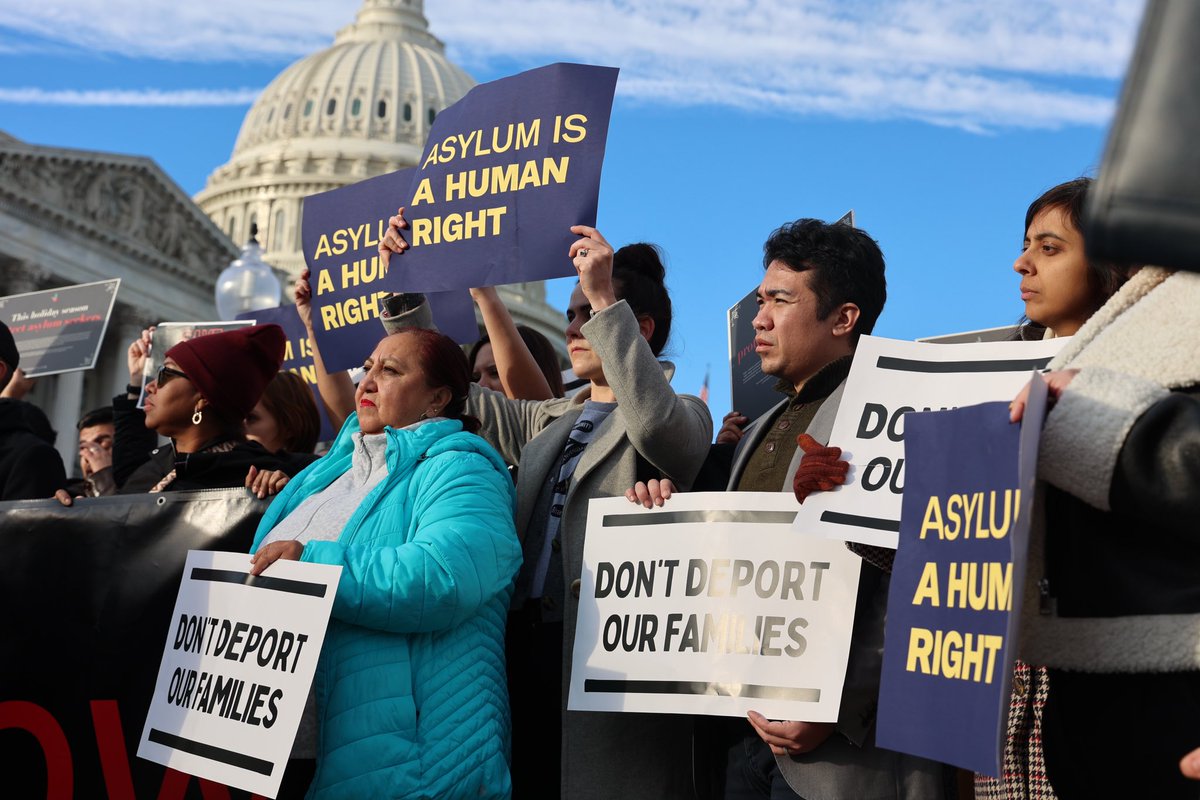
column 821, row 468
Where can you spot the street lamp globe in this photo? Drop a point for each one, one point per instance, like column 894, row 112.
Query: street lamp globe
column 247, row 284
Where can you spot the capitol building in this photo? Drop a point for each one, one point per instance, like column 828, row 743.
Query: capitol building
column 360, row 108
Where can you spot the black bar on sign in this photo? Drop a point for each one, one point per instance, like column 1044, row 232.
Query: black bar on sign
column 913, row 365
column 608, row 686
column 258, row 581
column 862, row 522
column 675, row 517
column 211, row 752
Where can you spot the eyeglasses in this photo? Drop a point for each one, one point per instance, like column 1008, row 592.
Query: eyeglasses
column 165, row 374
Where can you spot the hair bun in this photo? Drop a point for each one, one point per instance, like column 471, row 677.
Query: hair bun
column 643, row 258
column 639, row 274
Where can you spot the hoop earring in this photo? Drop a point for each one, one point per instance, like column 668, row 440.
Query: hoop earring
column 423, row 416
column 197, row 417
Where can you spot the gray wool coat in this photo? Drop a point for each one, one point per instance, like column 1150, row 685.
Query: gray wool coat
column 606, row 755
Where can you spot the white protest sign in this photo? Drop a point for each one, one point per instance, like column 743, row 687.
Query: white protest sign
column 888, row 379
column 712, row 604
column 238, row 663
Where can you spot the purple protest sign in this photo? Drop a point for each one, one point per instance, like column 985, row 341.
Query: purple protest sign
column 297, row 353
column 506, row 172
column 956, row 588
column 340, row 235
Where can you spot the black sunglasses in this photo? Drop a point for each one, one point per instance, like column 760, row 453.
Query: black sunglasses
column 165, row 374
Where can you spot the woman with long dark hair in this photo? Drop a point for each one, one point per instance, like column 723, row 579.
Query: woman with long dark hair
column 1061, row 288
column 485, row 372
column 1113, row 561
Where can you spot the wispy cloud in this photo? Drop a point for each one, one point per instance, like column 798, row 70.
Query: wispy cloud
column 974, row 64
column 129, row 97
column 214, row 30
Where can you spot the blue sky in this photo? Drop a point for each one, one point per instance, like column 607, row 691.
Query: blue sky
column 937, row 121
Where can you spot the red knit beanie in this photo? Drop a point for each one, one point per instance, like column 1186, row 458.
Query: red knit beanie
column 231, row 369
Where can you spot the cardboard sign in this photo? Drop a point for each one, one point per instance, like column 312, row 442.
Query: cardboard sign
column 752, row 391
column 340, row 233
column 168, row 334
column 237, row 667
column 957, row 583
column 506, row 172
column 711, row 604
column 297, row 354
column 888, row 379
column 60, row 330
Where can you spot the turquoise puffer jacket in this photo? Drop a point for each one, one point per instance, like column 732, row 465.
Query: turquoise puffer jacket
column 411, row 693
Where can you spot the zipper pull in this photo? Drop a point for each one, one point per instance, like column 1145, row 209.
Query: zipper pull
column 1045, row 600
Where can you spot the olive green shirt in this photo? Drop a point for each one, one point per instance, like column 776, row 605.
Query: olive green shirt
column 767, row 467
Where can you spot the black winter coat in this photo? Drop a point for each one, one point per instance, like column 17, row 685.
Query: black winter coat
column 139, row 464
column 30, row 468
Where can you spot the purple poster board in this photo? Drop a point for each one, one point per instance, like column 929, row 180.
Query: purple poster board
column 340, row 234
column 956, row 586
column 506, row 172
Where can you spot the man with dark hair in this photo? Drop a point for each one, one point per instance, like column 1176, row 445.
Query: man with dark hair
column 96, row 431
column 824, row 287
column 29, row 467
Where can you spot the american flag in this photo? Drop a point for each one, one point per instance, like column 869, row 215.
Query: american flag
column 704, row 388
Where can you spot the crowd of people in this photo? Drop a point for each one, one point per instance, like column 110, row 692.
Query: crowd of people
column 455, row 493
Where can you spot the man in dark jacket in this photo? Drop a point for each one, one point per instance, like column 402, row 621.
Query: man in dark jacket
column 29, row 467
column 823, row 287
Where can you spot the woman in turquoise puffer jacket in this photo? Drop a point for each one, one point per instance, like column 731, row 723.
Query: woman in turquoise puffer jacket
column 411, row 697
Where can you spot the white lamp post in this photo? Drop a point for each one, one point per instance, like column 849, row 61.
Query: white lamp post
column 247, row 284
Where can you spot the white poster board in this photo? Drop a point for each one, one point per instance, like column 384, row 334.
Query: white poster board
column 888, row 379
column 237, row 666
column 712, row 604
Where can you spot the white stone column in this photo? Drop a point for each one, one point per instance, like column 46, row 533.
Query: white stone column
column 22, row 277
column 64, row 412
column 127, row 324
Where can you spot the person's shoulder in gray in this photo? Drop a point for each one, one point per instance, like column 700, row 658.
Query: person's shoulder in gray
column 406, row 310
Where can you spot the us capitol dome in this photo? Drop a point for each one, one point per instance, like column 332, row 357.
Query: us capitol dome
column 361, row 108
